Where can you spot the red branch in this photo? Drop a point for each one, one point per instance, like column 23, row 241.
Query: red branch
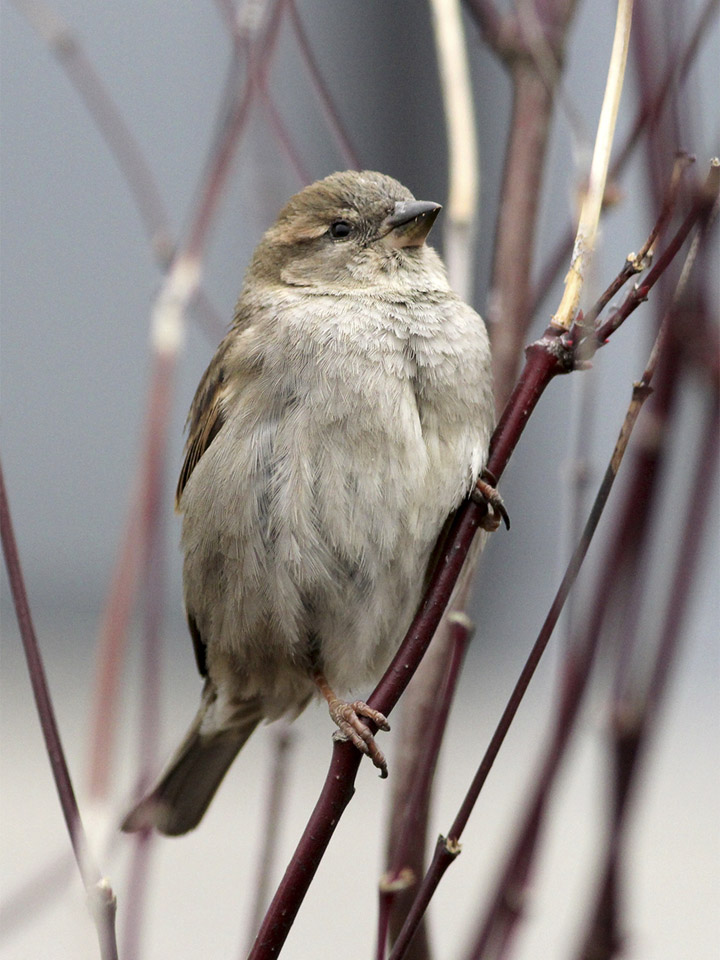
column 549, row 356
column 101, row 899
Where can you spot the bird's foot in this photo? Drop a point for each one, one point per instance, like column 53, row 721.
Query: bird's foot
column 485, row 492
column 347, row 716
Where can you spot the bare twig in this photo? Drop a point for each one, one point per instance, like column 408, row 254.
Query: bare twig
column 448, row 847
column 634, row 705
column 553, row 354
column 592, row 203
column 277, row 795
column 702, row 204
column 332, row 114
column 412, row 787
column 647, row 112
column 101, row 899
column 413, row 781
column 508, row 300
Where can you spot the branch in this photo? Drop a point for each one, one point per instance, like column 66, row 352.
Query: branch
column 676, row 71
column 553, row 354
column 136, row 172
column 274, row 810
column 101, row 899
column 705, row 198
column 633, row 711
column 508, row 299
column 624, row 558
column 592, row 203
column 332, row 115
column 461, row 135
column 447, row 848
column 423, row 724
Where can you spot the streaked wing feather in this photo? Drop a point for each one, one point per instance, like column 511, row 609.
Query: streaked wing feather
column 206, row 417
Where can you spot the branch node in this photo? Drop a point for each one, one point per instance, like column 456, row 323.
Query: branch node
column 452, row 846
column 397, row 881
column 642, row 262
column 641, row 390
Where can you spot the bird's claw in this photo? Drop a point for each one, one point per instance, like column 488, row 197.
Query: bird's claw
column 485, row 492
column 351, row 727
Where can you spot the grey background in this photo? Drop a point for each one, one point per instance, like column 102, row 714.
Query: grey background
column 77, row 283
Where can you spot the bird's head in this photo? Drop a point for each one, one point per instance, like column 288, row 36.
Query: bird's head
column 350, row 229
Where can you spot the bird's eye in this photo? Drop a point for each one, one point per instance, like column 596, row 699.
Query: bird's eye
column 340, row 229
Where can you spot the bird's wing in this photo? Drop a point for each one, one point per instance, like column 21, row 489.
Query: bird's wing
column 207, row 414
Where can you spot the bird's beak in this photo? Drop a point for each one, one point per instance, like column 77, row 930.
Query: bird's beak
column 410, row 222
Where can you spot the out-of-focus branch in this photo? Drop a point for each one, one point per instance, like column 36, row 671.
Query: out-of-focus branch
column 332, row 114
column 146, row 194
column 123, row 146
column 632, row 722
column 461, row 136
column 517, row 220
column 109, row 121
column 245, row 24
column 101, row 898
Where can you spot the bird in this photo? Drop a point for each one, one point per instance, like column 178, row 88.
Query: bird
column 343, row 418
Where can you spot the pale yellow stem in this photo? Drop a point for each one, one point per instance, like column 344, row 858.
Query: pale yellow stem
column 592, row 203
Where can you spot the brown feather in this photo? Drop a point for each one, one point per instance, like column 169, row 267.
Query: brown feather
column 206, row 417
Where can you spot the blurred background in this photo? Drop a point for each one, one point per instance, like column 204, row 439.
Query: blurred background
column 78, row 280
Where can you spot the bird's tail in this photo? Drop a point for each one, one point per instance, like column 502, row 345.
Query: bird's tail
column 182, row 795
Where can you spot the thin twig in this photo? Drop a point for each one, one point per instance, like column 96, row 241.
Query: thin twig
column 675, row 72
column 412, row 783
column 274, row 807
column 592, row 202
column 411, row 797
column 522, row 177
column 332, row 114
column 548, row 357
column 448, row 847
column 101, row 898
column 634, row 706
column 109, row 121
column 703, row 202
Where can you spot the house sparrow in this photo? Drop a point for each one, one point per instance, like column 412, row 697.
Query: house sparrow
column 345, row 415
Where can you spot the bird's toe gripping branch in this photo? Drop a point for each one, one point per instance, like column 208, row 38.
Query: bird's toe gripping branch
column 351, row 727
column 484, row 492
